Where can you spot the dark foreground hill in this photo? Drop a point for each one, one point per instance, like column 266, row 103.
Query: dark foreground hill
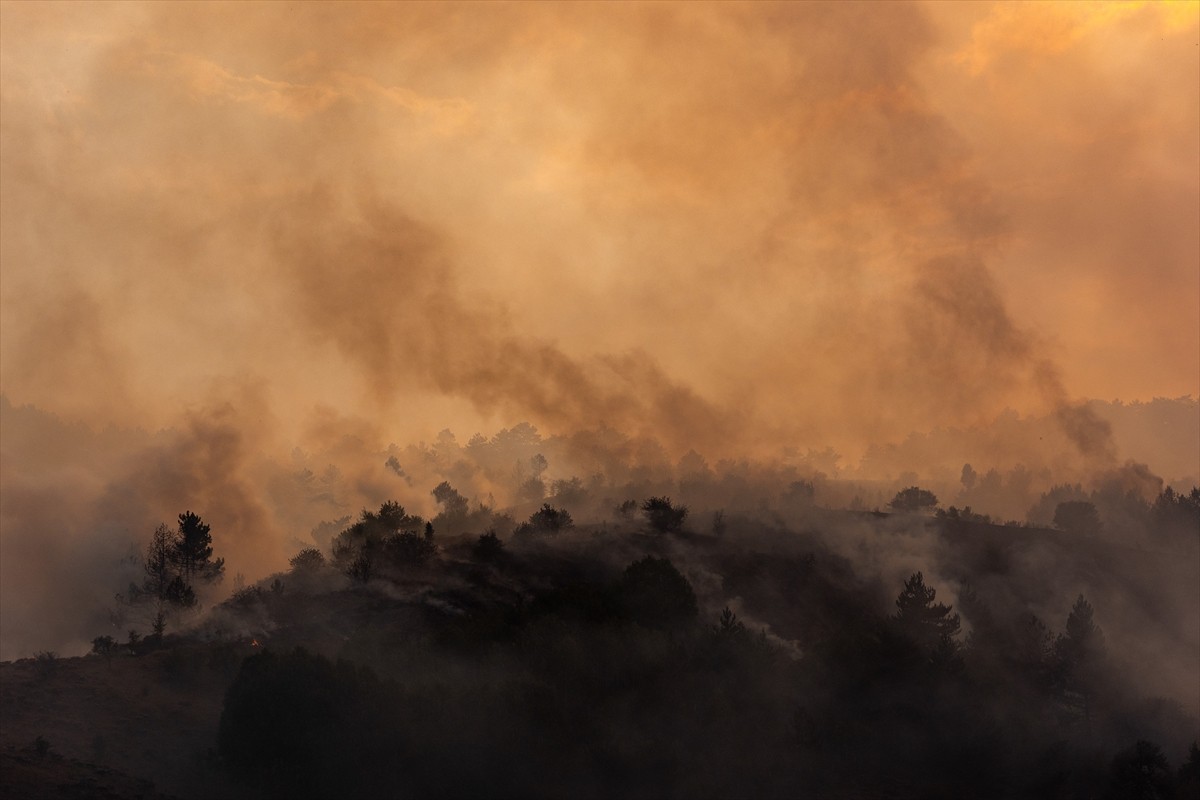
column 598, row 663
column 33, row 775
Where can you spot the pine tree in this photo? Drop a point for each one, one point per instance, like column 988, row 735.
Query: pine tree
column 193, row 551
column 158, row 565
column 1079, row 655
column 929, row 624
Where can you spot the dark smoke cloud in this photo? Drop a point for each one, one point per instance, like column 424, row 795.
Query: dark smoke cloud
column 385, row 291
column 733, row 202
column 737, row 229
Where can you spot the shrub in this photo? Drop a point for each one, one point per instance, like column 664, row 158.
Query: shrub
column 310, row 559
column 488, row 547
column 46, row 662
column 548, row 520
column 913, row 498
column 662, row 515
column 409, row 549
column 104, row 646
column 655, row 594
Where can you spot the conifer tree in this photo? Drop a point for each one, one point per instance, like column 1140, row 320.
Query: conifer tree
column 929, row 624
column 193, row 551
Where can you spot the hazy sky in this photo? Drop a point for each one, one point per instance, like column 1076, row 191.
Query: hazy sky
column 246, row 228
column 733, row 225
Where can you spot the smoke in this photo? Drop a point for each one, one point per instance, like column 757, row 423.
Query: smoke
column 726, row 218
column 384, row 292
column 283, row 246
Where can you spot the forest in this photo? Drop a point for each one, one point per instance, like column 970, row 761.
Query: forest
column 656, row 652
column 599, row 400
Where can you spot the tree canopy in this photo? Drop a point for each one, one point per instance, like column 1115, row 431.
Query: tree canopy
column 913, row 498
column 927, row 623
column 387, row 538
column 664, row 516
column 193, row 551
column 654, row 593
column 547, row 520
column 172, row 564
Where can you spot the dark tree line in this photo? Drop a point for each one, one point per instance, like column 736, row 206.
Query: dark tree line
column 614, row 684
column 388, row 540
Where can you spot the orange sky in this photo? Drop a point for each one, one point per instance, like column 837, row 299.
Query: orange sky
column 730, row 225
column 288, row 235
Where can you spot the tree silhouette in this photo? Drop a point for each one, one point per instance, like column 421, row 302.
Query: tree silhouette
column 309, row 559
column 453, row 504
column 662, row 515
column 180, row 593
column 548, row 519
column 654, row 593
column 173, row 559
column 1083, row 640
column 968, row 477
column 534, row 487
column 913, row 499
column 391, row 518
column 104, row 646
column 158, row 564
column 569, row 491
column 163, row 581
column 1141, row 773
column 538, row 465
column 1032, row 648
column 193, row 551
column 487, row 547
column 407, row 548
column 1079, row 655
column 1177, row 514
column 1187, row 780
column 362, row 568
column 929, row 624
column 377, row 538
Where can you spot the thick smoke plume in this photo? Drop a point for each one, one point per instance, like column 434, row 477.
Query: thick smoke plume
column 242, row 244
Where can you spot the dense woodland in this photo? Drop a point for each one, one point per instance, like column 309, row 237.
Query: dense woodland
column 814, row 303
column 660, row 656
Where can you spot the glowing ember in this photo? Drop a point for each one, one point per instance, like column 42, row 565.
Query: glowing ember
column 254, row 643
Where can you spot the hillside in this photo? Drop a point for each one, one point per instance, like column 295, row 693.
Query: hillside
column 604, row 661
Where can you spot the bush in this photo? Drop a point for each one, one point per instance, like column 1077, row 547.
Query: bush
column 654, row 593
column 409, row 549
column 662, row 515
column 310, row 559
column 378, row 541
column 1140, row 771
column 488, row 547
column 104, row 646
column 547, row 520
column 46, row 662
column 913, row 498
